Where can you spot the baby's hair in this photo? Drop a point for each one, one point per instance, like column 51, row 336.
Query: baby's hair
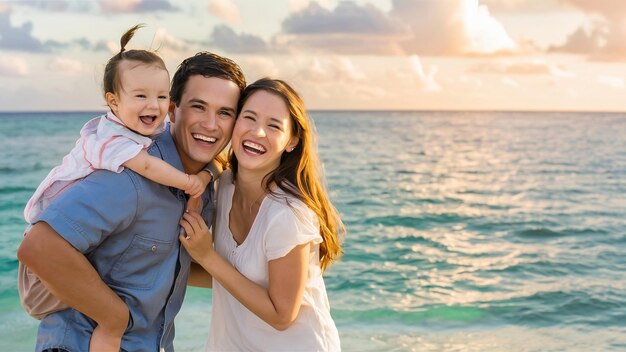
column 111, row 81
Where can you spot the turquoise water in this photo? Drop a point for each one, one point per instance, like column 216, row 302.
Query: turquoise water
column 467, row 231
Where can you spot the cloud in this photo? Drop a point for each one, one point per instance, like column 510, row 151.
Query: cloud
column 347, row 17
column 47, row 5
column 335, row 69
column 424, row 80
column 426, row 27
column 226, row 38
column 131, row 6
column 611, row 81
column 299, row 5
column 452, row 27
column 259, row 66
column 13, row 66
column 347, row 29
column 226, row 10
column 533, row 67
column 5, row 8
column 518, row 6
column 21, row 39
column 164, row 39
column 65, row 65
column 606, row 40
column 510, row 82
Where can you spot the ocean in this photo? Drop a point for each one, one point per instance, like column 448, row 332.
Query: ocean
column 467, row 231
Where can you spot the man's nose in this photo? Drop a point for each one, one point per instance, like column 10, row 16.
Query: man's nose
column 210, row 121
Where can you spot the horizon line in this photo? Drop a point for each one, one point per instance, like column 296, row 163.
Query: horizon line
column 360, row 110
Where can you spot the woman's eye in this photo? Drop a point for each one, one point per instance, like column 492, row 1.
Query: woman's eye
column 276, row 127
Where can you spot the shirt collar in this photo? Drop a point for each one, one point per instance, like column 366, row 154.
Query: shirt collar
column 167, row 148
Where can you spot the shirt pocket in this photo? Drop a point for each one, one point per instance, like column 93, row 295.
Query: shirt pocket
column 140, row 264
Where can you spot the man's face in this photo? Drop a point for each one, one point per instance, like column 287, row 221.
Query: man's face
column 203, row 123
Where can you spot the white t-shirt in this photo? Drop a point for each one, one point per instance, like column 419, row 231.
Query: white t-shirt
column 277, row 229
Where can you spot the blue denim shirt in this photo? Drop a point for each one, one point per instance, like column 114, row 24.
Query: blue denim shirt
column 127, row 226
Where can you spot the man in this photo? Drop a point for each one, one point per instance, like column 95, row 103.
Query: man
column 108, row 246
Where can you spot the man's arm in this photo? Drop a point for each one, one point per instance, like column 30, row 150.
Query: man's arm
column 71, row 277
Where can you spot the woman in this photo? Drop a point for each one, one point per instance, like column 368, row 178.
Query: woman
column 276, row 232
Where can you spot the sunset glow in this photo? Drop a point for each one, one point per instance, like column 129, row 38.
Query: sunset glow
column 565, row 55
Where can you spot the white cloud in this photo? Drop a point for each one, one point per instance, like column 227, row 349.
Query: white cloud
column 452, row 27
column 226, row 10
column 119, row 5
column 611, row 81
column 13, row 66
column 164, row 39
column 299, row 5
column 606, row 40
column 335, row 69
column 5, row 7
column 530, row 67
column 424, row 79
column 65, row 65
column 256, row 67
column 510, row 82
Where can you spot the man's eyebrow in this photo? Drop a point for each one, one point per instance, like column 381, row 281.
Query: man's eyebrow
column 197, row 100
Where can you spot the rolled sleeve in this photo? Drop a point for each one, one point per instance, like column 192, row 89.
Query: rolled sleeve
column 88, row 212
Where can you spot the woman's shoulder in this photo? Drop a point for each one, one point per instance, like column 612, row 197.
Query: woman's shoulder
column 285, row 207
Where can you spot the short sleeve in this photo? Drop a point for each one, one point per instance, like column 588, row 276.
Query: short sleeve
column 108, row 144
column 290, row 227
column 92, row 209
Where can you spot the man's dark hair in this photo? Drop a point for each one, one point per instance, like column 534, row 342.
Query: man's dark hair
column 208, row 65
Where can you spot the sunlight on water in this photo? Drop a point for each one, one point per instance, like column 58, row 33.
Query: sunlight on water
column 466, row 231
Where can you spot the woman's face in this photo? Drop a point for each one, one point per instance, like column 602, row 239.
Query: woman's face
column 262, row 132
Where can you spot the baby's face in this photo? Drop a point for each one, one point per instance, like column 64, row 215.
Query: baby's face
column 143, row 100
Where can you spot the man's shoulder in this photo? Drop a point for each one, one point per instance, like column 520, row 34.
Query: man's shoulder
column 122, row 184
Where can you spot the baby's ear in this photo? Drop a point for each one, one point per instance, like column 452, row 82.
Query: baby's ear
column 111, row 100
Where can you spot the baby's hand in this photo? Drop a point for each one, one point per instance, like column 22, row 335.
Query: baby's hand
column 195, row 186
column 103, row 341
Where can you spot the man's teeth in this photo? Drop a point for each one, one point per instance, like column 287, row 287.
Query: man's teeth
column 255, row 147
column 204, row 138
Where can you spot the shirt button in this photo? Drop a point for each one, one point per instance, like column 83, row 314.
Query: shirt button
column 153, row 249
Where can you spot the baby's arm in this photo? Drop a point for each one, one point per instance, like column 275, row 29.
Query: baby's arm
column 163, row 173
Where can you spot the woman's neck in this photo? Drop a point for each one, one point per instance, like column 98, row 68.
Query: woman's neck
column 250, row 186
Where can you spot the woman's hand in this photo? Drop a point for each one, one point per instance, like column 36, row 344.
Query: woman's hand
column 197, row 239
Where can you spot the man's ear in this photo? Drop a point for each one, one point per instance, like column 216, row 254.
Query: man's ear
column 172, row 111
column 112, row 102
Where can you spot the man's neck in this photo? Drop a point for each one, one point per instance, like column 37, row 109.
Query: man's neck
column 189, row 166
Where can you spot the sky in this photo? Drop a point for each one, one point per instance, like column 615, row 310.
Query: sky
column 529, row 55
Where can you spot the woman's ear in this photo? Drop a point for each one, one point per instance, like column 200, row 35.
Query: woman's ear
column 293, row 143
column 112, row 102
